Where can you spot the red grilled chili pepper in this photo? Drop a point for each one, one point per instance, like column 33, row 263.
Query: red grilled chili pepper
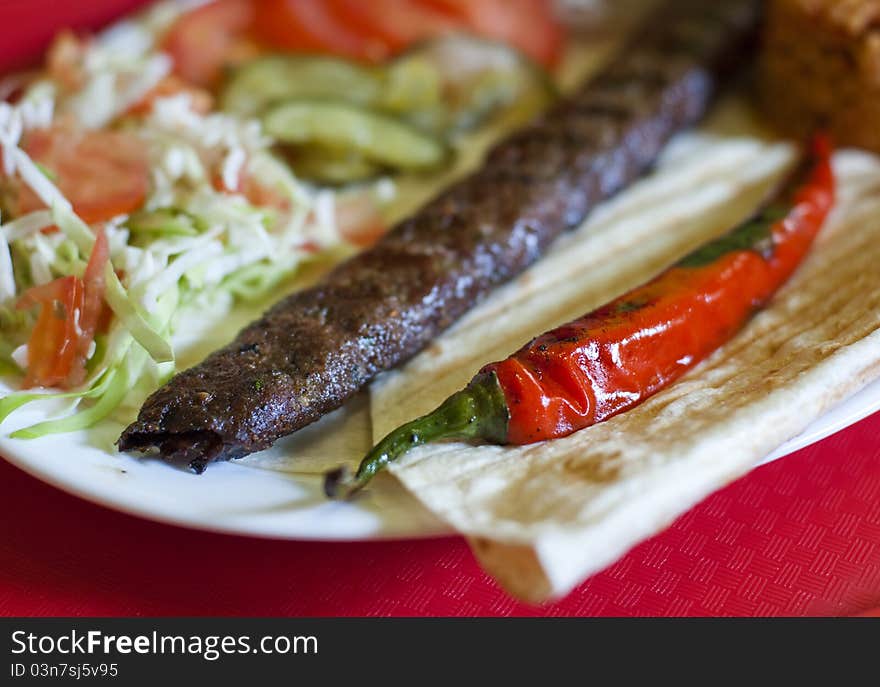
column 613, row 358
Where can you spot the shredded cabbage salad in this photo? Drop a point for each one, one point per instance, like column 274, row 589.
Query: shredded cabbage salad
column 196, row 233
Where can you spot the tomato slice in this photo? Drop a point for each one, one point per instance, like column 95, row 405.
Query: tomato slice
column 102, row 173
column 204, row 40
column 94, row 315
column 52, row 347
column 71, row 312
column 314, row 26
column 528, row 25
column 396, row 23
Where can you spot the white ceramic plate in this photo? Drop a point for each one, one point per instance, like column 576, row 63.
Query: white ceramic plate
column 277, row 493
column 249, row 498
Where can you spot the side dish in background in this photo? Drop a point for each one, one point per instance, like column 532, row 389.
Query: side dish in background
column 350, row 93
column 338, row 121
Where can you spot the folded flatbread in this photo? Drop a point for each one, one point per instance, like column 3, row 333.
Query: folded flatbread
column 541, row 518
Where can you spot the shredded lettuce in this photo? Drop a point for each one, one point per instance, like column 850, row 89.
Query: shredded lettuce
column 255, row 282
column 14, row 401
column 39, row 183
column 48, row 173
column 7, row 278
column 14, row 324
column 123, row 366
column 116, row 388
column 73, row 227
column 145, row 333
column 164, row 222
column 27, row 224
column 189, row 241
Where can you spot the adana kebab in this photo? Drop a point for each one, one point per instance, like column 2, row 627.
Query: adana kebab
column 613, row 358
column 318, row 347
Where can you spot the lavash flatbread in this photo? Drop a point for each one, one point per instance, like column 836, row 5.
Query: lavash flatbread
column 541, row 518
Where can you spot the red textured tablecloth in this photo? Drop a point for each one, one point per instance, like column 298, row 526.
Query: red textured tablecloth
column 799, row 536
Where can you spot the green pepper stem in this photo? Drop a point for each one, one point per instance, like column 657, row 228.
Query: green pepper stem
column 479, row 411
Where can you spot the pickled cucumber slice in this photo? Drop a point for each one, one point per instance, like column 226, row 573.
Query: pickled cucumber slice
column 261, row 82
column 481, row 79
column 410, row 85
column 377, row 137
column 333, row 166
column 397, row 87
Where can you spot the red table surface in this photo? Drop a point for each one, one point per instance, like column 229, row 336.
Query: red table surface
column 800, row 536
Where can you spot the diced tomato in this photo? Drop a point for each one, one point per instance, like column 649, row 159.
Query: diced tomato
column 359, row 220
column 102, row 173
column 200, row 100
column 71, row 312
column 396, row 23
column 264, row 196
column 205, row 40
column 94, row 311
column 525, row 24
column 314, row 26
column 52, row 347
column 223, row 32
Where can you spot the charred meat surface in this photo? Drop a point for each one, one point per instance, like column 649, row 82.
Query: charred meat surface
column 316, row 348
